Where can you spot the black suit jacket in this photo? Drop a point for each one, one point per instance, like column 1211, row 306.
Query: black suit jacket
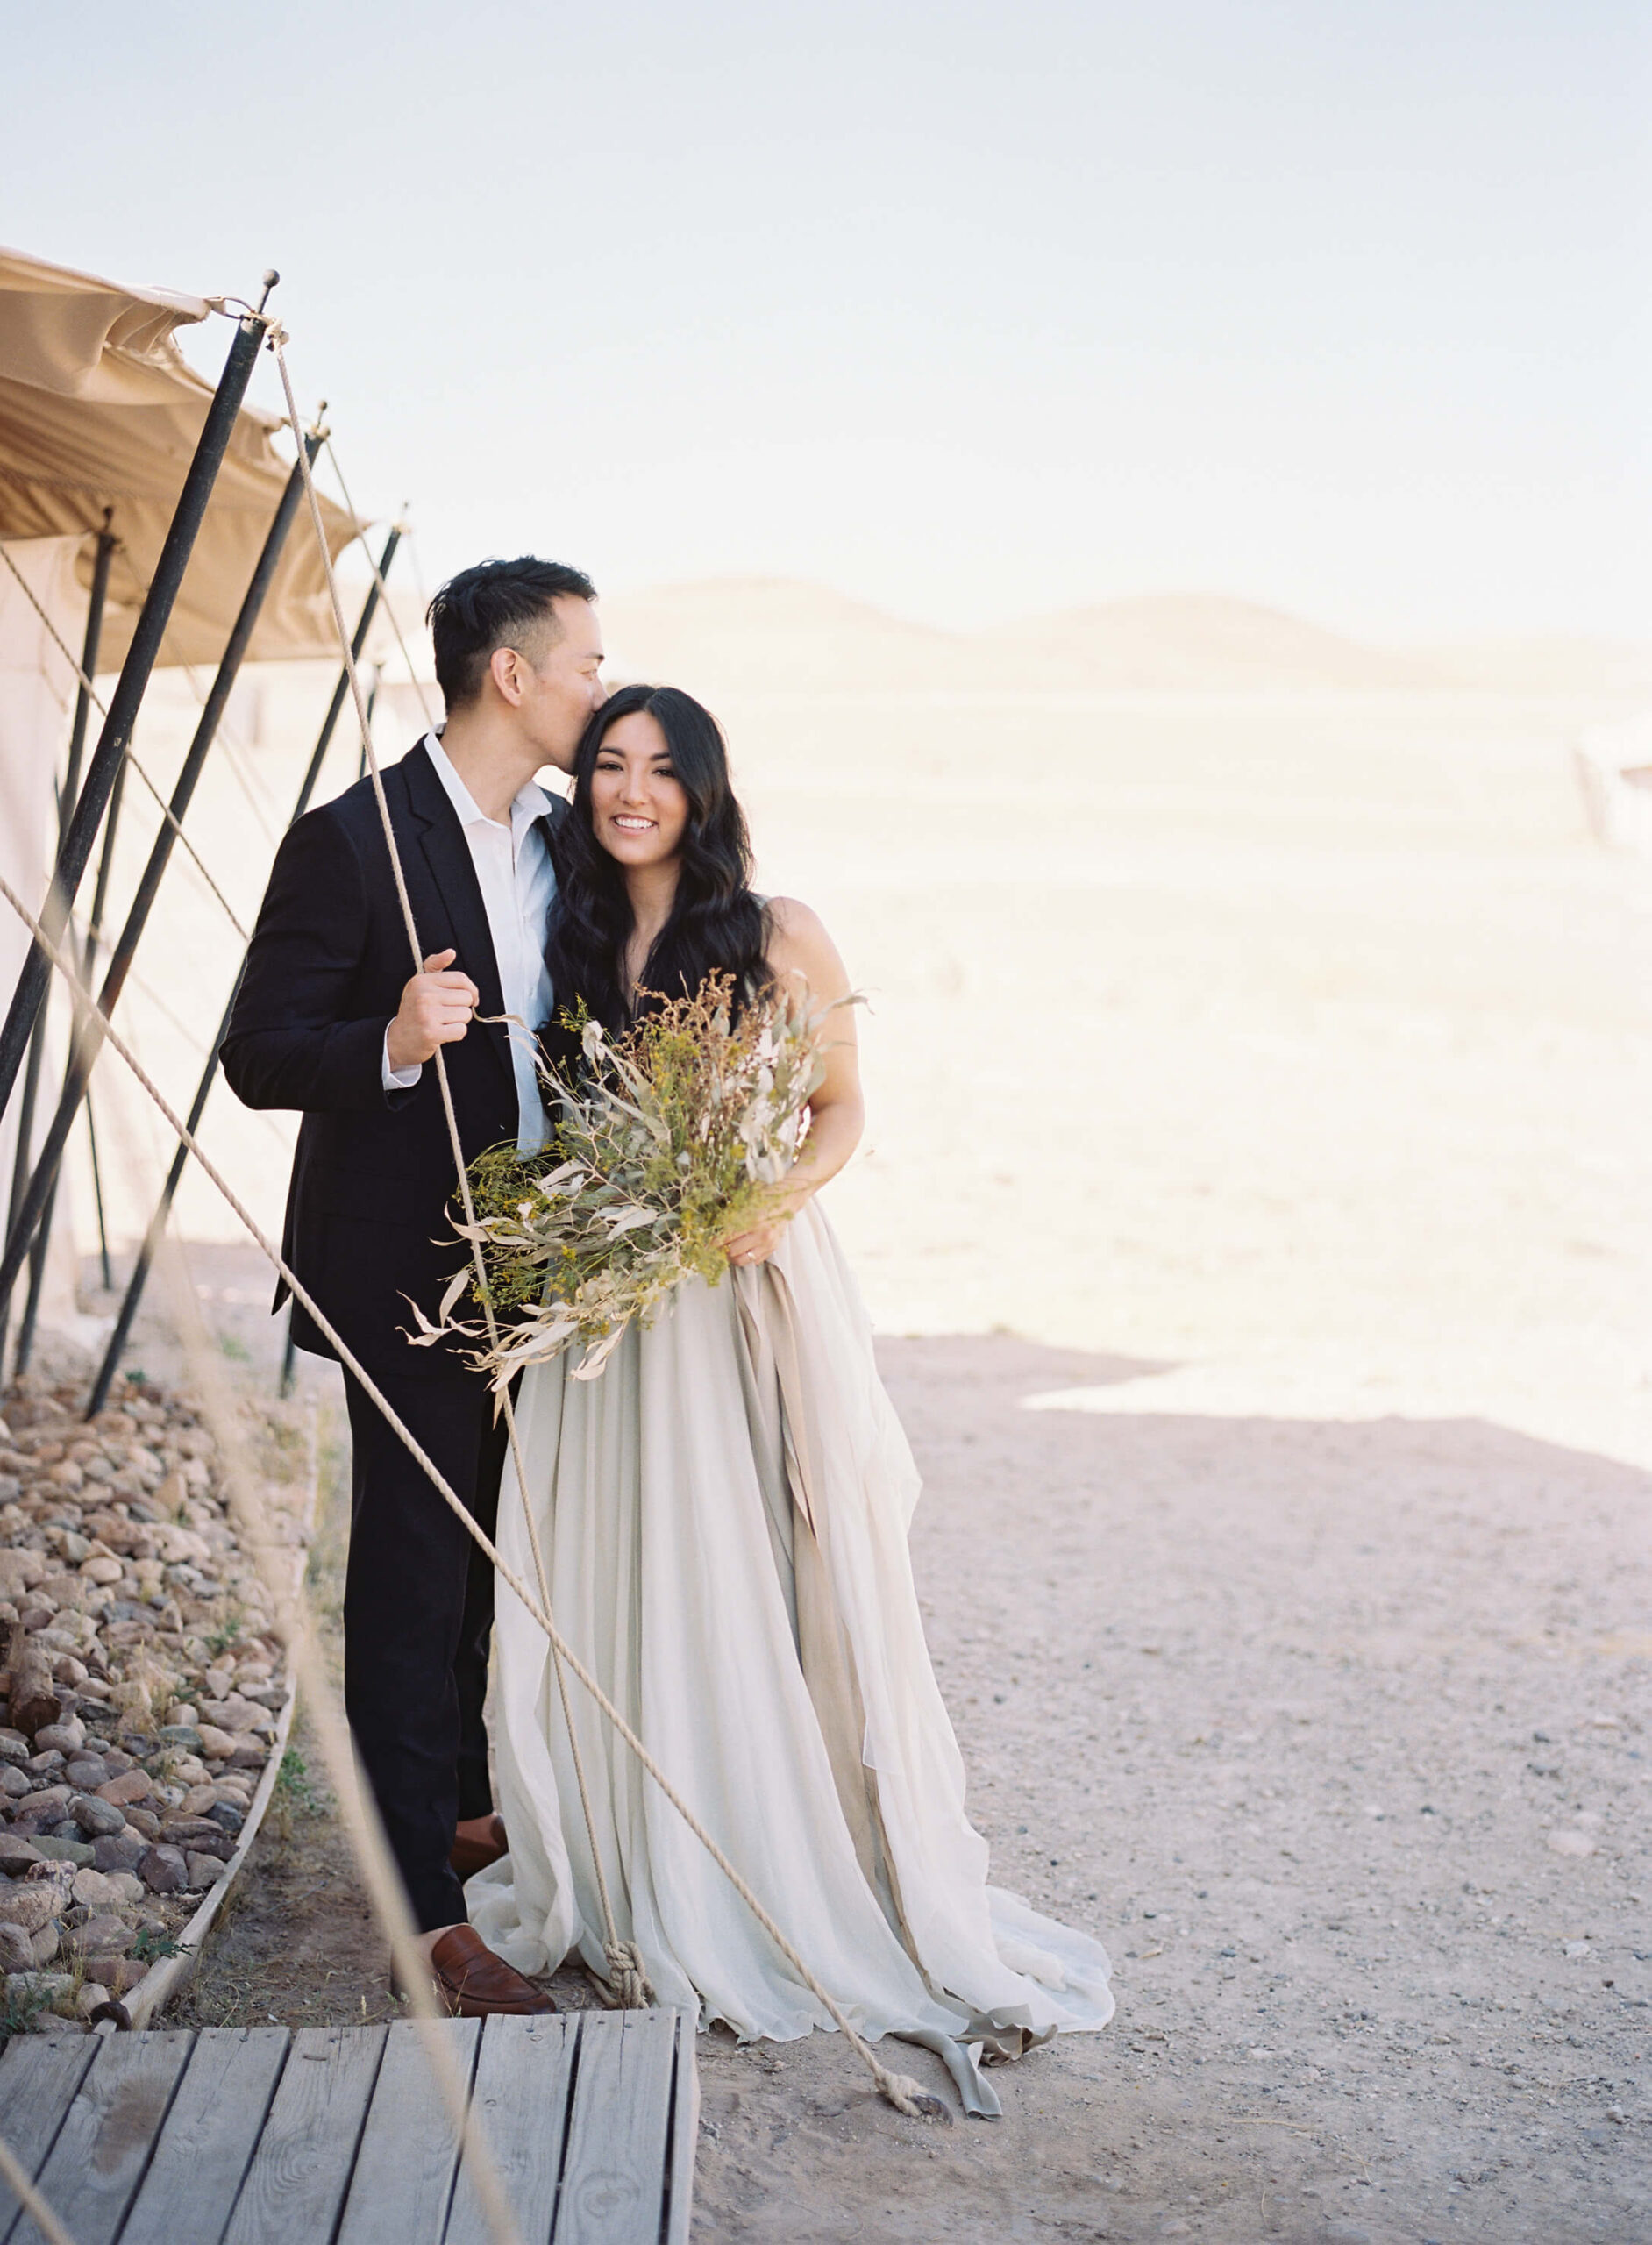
column 367, row 1225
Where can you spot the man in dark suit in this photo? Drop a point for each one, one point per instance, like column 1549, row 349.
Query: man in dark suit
column 329, row 1020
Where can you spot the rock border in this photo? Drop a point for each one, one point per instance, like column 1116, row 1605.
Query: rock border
column 168, row 1976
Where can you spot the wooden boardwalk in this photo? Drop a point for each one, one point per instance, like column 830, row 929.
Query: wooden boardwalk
column 339, row 2135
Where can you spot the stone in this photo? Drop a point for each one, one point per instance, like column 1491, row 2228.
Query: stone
column 184, row 1735
column 14, row 1747
column 16, row 1951
column 60, row 1850
column 143, row 1821
column 65, row 1737
column 31, row 1904
column 163, row 1870
column 45, row 1943
column 97, row 1819
column 121, row 1851
column 104, row 1935
column 203, row 1871
column 32, row 1692
column 128, row 1889
column 14, row 1783
column 86, row 1773
column 20, row 1571
column 182, row 1828
column 16, row 1853
column 131, row 1785
column 197, row 1801
column 41, row 1765
column 92, row 1889
column 1572, row 1843
column 248, row 1757
column 227, row 1816
column 217, row 1745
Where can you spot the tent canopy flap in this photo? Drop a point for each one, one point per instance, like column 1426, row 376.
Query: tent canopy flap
column 99, row 409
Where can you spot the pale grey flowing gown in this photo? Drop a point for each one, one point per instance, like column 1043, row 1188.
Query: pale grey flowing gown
column 723, row 1516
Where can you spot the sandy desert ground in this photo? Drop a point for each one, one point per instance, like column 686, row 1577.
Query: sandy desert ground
column 1254, row 1210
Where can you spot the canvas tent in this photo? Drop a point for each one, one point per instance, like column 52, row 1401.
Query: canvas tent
column 100, row 421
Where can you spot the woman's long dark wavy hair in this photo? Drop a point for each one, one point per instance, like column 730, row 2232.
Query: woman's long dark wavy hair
column 717, row 924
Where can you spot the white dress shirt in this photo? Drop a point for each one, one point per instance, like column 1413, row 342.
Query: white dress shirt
column 518, row 884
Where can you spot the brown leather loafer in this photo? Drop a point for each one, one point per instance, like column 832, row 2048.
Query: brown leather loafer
column 474, row 1984
column 470, row 1853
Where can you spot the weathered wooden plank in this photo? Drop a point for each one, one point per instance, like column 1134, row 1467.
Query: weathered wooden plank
column 613, row 2169
column 404, row 2178
column 39, row 2076
column 520, row 2097
column 207, row 2139
column 297, row 2181
column 685, row 2136
column 108, row 2134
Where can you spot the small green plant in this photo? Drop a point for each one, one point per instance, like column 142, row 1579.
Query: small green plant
column 235, row 1349
column 294, row 1786
column 152, row 1944
column 227, row 1633
column 18, row 2011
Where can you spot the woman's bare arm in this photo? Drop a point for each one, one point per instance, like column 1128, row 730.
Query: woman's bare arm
column 803, row 958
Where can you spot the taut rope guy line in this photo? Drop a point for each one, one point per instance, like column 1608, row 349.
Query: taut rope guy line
column 906, row 2095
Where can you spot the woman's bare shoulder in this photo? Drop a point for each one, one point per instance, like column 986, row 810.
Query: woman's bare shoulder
column 798, row 942
column 792, row 920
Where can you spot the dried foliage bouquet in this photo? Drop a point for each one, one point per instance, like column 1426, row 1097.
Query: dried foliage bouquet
column 679, row 1136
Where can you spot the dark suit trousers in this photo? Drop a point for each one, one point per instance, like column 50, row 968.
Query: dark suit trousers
column 418, row 1616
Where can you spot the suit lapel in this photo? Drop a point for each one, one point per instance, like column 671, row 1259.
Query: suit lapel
column 453, row 904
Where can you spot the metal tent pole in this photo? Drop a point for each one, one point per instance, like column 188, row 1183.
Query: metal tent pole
column 98, row 1190
column 29, row 1095
column 152, row 1238
column 89, row 1040
column 29, row 993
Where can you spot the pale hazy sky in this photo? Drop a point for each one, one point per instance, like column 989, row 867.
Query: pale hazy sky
column 970, row 310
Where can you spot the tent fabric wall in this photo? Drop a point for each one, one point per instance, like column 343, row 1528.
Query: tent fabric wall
column 37, row 692
column 98, row 407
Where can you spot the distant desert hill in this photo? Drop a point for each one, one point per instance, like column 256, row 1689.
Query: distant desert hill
column 1200, row 642
column 777, row 635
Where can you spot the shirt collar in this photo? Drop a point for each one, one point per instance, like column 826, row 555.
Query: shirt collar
column 530, row 801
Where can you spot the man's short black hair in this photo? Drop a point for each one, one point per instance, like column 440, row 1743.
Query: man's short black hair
column 487, row 607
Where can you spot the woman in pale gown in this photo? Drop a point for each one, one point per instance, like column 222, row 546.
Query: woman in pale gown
column 722, row 1516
